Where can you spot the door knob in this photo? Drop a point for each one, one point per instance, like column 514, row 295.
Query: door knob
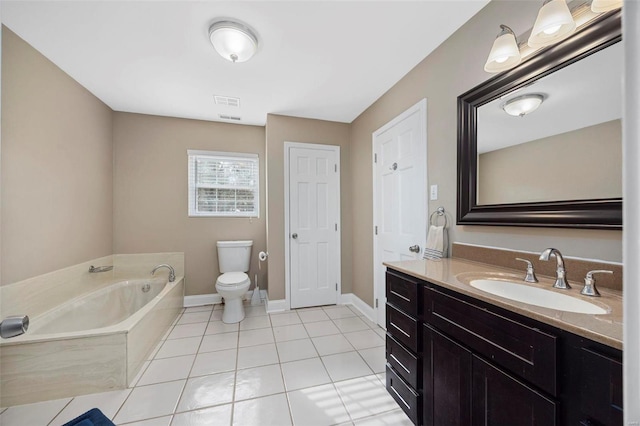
column 294, row 236
column 415, row 249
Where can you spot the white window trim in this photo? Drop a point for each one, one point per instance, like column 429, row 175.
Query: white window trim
column 191, row 207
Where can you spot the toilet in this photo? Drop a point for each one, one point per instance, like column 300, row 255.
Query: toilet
column 234, row 258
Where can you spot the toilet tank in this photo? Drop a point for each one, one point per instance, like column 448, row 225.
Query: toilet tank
column 234, row 256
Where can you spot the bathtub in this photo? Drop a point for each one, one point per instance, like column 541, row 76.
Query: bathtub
column 93, row 343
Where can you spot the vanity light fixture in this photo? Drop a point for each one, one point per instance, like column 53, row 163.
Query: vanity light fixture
column 504, row 53
column 554, row 23
column 234, row 41
column 523, row 105
column 600, row 6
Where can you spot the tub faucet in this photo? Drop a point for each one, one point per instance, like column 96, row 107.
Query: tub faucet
column 172, row 273
column 561, row 280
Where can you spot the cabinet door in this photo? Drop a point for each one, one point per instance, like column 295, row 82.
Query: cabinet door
column 499, row 399
column 601, row 389
column 446, row 381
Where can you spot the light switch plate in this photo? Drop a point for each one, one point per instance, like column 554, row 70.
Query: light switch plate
column 434, row 192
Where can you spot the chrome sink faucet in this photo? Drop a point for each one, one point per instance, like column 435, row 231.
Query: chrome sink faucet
column 530, row 276
column 561, row 280
column 172, row 273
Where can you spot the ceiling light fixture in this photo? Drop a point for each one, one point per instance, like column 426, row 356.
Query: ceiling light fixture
column 600, row 6
column 234, row 41
column 523, row 105
column 554, row 23
column 504, row 52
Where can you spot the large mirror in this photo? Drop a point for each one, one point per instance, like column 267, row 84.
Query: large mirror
column 558, row 164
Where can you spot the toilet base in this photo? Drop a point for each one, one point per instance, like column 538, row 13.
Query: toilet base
column 233, row 310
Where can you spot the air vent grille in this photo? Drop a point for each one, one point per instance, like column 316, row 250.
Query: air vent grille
column 229, row 117
column 227, row 101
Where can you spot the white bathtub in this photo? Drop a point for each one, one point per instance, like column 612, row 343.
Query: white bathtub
column 92, row 343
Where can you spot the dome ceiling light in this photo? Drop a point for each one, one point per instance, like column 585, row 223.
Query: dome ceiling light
column 523, row 105
column 234, row 41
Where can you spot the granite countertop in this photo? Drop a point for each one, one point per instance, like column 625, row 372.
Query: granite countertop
column 455, row 274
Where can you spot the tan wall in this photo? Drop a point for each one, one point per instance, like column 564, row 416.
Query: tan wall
column 281, row 129
column 453, row 68
column 150, row 193
column 56, row 167
column 587, row 161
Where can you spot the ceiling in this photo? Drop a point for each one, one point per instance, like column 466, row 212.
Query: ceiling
column 327, row 60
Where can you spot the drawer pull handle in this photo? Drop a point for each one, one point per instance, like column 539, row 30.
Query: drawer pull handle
column 398, row 395
column 399, row 363
column 400, row 296
column 400, row 330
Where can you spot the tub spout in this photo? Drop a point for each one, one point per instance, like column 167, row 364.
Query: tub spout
column 172, row 273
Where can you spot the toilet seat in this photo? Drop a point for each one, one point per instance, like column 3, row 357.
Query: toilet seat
column 233, row 279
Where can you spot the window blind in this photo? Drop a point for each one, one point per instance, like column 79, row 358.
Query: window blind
column 223, row 184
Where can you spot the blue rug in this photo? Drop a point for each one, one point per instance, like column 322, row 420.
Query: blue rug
column 93, row 417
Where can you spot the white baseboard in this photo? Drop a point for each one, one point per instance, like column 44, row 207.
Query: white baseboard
column 202, row 299
column 277, row 305
column 215, row 298
column 352, row 299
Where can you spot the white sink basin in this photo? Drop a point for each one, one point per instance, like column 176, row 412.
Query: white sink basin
column 537, row 296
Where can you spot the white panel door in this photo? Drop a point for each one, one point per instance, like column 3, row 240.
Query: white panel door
column 400, row 200
column 314, row 211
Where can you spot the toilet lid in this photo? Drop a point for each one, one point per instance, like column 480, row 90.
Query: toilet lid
column 232, row 278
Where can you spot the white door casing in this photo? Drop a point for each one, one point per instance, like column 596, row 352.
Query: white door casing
column 399, row 195
column 312, row 224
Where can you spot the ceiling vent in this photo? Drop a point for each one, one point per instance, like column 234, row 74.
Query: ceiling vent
column 229, row 117
column 227, row 101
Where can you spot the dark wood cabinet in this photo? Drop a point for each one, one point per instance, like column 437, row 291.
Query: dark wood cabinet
column 500, row 399
column 454, row 360
column 447, row 381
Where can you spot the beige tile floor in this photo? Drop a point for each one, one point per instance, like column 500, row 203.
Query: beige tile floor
column 314, row 366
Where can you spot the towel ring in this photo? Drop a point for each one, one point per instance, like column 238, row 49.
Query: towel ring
column 438, row 213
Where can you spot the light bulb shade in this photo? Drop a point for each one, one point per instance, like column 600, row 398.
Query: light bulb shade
column 600, row 6
column 504, row 52
column 554, row 23
column 233, row 41
column 523, row 105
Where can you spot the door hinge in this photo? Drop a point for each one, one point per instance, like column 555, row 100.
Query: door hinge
column 376, row 303
column 335, row 168
column 336, row 226
column 336, row 286
column 375, row 158
column 375, row 229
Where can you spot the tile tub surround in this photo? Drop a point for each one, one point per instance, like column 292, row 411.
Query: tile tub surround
column 283, row 382
column 455, row 274
column 576, row 268
column 35, row 367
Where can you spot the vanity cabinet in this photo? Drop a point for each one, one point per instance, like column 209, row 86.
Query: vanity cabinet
column 473, row 363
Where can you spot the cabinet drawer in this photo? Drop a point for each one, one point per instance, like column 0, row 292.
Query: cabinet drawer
column 523, row 350
column 403, row 362
column 403, row 328
column 407, row 398
column 402, row 292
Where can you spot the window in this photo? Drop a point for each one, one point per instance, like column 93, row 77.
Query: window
column 223, row 184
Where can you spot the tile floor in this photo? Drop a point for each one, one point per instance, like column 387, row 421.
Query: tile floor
column 314, row 366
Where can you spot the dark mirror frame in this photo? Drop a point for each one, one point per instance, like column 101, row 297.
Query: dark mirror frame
column 597, row 214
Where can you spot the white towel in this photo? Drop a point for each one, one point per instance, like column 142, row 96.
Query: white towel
column 434, row 249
